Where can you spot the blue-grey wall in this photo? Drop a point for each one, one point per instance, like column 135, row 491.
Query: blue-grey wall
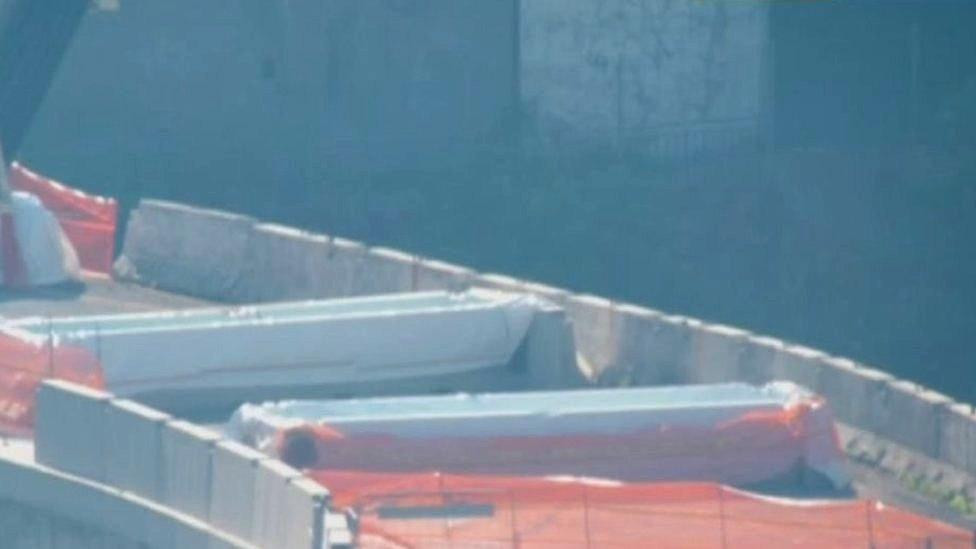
column 851, row 232
column 658, row 77
column 164, row 94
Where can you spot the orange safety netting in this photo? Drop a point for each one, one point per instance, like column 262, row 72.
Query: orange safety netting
column 754, row 447
column 88, row 221
column 24, row 364
column 435, row 510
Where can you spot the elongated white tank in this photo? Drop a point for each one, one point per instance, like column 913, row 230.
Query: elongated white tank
column 378, row 338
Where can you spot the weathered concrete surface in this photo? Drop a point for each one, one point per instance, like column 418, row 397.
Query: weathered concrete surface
column 900, row 476
column 97, row 295
column 46, row 508
column 440, row 275
column 69, row 432
column 188, row 250
column 283, row 264
column 548, row 352
column 186, row 467
column 663, row 76
column 165, row 483
column 133, row 456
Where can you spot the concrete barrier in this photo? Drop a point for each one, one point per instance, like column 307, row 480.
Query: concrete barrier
column 69, row 432
column 500, row 282
column 717, row 354
column 346, row 267
column 193, row 251
column 387, row 271
column 108, row 517
column 801, row 365
column 594, row 333
column 852, row 391
column 177, row 469
column 438, row 275
column 304, row 508
column 187, row 467
column 289, row 510
column 912, row 415
column 284, row 264
column 550, row 293
column 549, row 351
column 233, row 488
column 957, row 440
column 759, row 359
column 133, row 435
column 636, row 357
column 270, row 500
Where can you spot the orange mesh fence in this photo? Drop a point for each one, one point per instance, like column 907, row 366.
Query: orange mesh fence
column 24, row 364
column 88, row 221
column 435, row 510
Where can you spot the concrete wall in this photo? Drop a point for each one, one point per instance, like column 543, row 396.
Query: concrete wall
column 42, row 507
column 616, row 343
column 217, row 486
column 658, row 76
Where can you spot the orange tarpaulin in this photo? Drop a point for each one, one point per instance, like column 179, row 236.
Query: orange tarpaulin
column 754, row 447
column 436, row 510
column 24, row 364
column 88, row 221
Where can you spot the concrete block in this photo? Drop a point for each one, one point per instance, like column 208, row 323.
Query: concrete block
column 188, row 250
column 801, row 365
column 550, row 353
column 387, row 271
column 957, row 439
column 90, row 514
column 133, row 435
column 500, row 282
column 759, row 359
column 594, row 332
column 305, row 507
column 675, row 334
column 717, row 353
column 70, row 429
column 271, row 522
column 347, row 261
column 233, row 488
column 285, row 264
column 912, row 415
column 186, row 467
column 438, row 275
column 552, row 294
column 638, row 354
column 853, row 392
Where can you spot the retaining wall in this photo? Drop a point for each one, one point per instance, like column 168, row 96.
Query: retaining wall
column 174, row 466
column 616, row 343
